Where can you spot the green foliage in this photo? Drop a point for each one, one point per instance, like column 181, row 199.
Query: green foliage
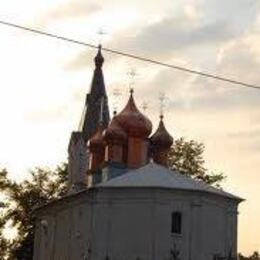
column 42, row 187
column 187, row 158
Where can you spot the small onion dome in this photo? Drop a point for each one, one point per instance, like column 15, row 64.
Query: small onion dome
column 161, row 138
column 99, row 59
column 114, row 132
column 133, row 121
column 97, row 140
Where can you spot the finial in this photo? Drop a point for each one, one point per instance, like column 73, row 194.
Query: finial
column 161, row 117
column 131, row 91
column 99, row 59
column 114, row 113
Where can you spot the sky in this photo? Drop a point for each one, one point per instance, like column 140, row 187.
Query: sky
column 43, row 81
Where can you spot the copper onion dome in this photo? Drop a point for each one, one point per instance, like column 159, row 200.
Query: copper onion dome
column 97, row 140
column 161, row 138
column 133, row 121
column 114, row 132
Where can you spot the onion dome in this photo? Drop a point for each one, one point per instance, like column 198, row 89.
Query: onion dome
column 97, row 140
column 133, row 121
column 161, row 138
column 114, row 132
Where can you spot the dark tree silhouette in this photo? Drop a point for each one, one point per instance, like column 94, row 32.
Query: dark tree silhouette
column 21, row 199
column 254, row 256
column 187, row 158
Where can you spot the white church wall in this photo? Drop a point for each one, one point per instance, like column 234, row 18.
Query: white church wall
column 44, row 239
column 128, row 223
column 217, row 235
column 80, row 233
column 180, row 203
column 196, row 225
column 62, row 232
column 126, row 227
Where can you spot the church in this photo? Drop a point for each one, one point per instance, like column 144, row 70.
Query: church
column 124, row 203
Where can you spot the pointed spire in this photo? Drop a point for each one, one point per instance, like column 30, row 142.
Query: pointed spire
column 96, row 101
column 97, row 139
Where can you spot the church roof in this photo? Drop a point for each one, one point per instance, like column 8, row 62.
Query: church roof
column 153, row 175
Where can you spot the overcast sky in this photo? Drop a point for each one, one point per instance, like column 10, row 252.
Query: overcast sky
column 44, row 81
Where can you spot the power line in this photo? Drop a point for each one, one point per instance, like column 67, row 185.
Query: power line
column 129, row 55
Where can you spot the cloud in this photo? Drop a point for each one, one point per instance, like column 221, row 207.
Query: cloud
column 180, row 34
column 239, row 62
column 163, row 40
column 216, row 24
column 47, row 115
column 73, row 9
column 69, row 10
column 80, row 61
column 255, row 147
column 246, row 134
column 215, row 42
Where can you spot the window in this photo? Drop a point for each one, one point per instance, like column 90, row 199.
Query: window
column 176, row 223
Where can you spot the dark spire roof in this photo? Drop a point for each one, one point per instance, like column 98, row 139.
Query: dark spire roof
column 91, row 116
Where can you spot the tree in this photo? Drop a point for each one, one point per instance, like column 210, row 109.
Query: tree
column 3, row 241
column 46, row 185
column 187, row 158
column 254, row 256
column 42, row 187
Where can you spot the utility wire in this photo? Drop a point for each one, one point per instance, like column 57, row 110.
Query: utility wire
column 129, row 55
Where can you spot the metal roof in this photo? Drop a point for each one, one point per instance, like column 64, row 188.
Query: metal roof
column 157, row 176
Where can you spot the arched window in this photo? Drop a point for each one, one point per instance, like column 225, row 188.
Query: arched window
column 176, row 223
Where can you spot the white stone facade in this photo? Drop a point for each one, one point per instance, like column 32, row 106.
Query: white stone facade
column 135, row 223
